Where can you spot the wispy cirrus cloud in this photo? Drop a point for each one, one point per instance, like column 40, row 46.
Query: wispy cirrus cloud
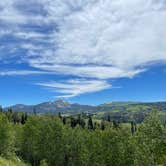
column 90, row 71
column 76, row 87
column 22, row 72
column 89, row 39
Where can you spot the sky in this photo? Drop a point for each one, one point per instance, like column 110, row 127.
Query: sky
column 83, row 51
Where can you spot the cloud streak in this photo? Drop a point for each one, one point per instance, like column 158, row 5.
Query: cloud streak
column 76, row 87
column 22, row 72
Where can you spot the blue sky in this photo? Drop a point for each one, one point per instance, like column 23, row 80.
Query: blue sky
column 85, row 51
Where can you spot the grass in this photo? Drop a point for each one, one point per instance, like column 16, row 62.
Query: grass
column 15, row 161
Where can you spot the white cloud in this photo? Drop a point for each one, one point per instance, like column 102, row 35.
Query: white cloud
column 76, row 87
column 100, row 72
column 21, row 72
column 99, row 39
column 122, row 34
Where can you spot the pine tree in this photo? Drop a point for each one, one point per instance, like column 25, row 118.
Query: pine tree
column 64, row 120
column 102, row 126
column 135, row 126
column 73, row 122
column 22, row 119
column 90, row 123
column 82, row 124
column 59, row 115
column 109, row 118
column 1, row 110
column 26, row 117
column 132, row 128
column 115, row 124
column 79, row 119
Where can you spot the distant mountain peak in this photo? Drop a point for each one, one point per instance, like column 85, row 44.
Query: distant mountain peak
column 61, row 102
column 52, row 107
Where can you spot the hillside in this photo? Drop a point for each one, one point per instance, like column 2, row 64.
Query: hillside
column 119, row 111
column 66, row 107
column 128, row 111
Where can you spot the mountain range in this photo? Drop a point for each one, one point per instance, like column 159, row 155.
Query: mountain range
column 52, row 107
column 66, row 107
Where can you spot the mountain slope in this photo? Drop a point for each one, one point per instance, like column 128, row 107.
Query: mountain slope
column 53, row 107
column 113, row 107
column 118, row 111
column 129, row 111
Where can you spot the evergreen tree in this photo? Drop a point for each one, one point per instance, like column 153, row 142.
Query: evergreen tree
column 102, row 125
column 79, row 119
column 132, row 127
column 109, row 118
column 64, row 120
column 59, row 115
column 90, row 123
column 1, row 110
column 73, row 122
column 82, row 123
column 26, row 117
column 23, row 119
column 115, row 124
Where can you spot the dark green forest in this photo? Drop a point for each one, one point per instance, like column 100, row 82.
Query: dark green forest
column 56, row 140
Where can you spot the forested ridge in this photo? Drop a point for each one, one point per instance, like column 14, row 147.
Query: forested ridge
column 118, row 111
column 57, row 140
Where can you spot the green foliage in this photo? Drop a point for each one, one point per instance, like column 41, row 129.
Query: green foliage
column 6, row 136
column 43, row 163
column 45, row 140
column 14, row 161
column 151, row 142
